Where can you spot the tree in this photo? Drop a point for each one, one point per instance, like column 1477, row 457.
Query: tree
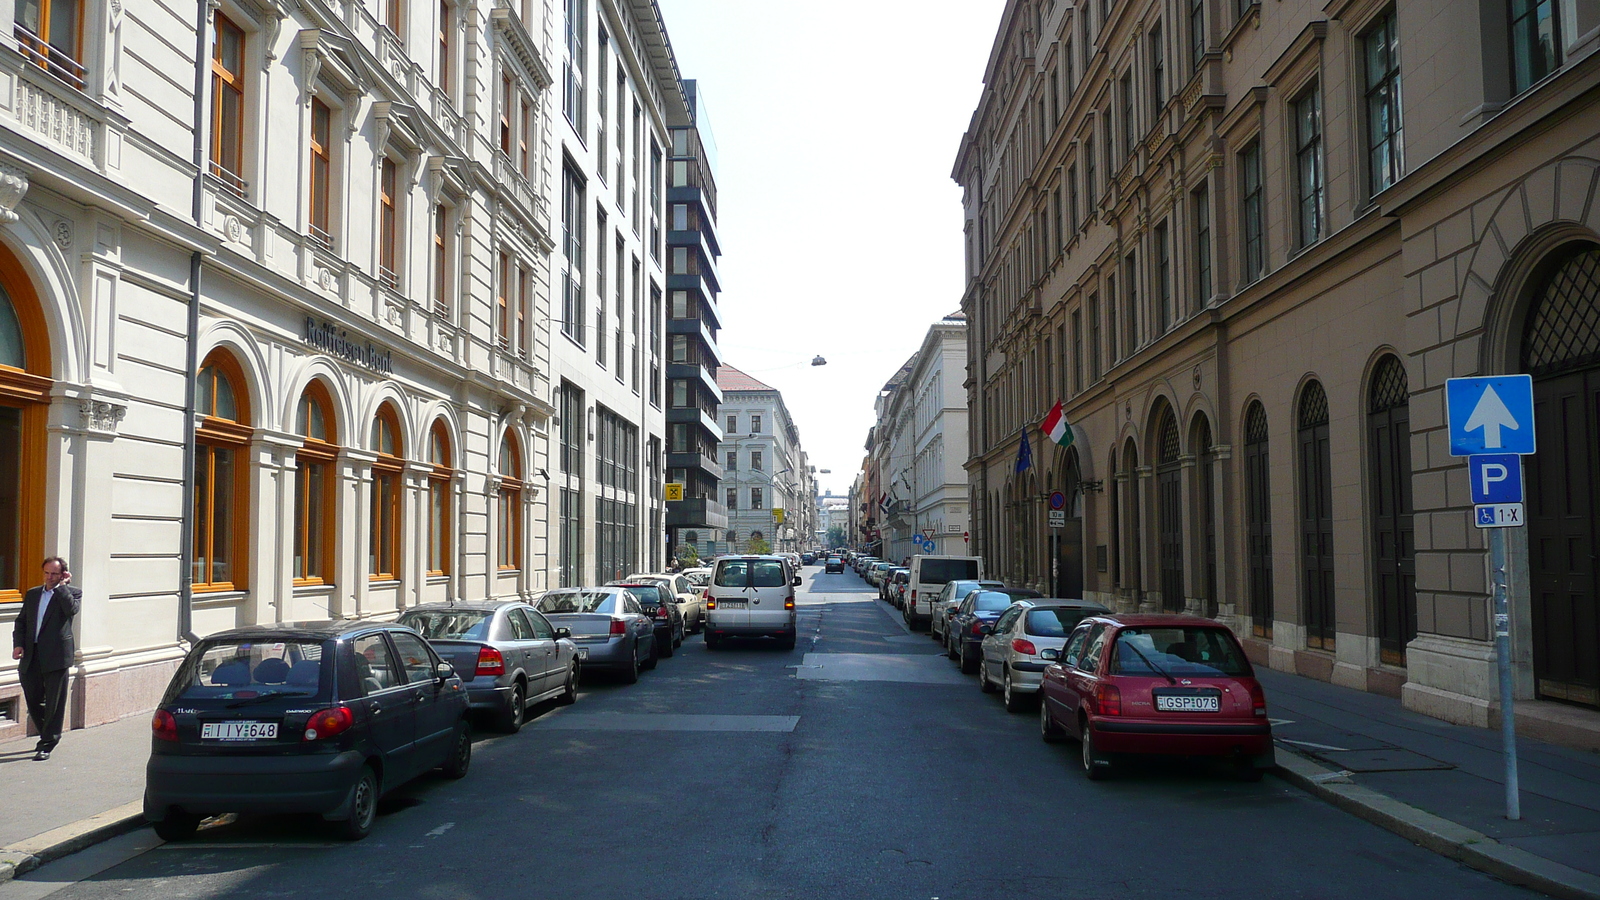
column 688, row 556
column 836, row 536
column 757, row 546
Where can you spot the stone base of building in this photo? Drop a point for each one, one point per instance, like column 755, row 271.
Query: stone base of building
column 1450, row 678
column 98, row 691
column 1346, row 667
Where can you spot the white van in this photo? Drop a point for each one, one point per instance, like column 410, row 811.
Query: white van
column 929, row 574
column 751, row 596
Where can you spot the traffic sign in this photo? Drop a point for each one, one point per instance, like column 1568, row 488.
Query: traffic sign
column 1498, row 515
column 918, row 539
column 1058, row 500
column 1496, row 478
column 1492, row 414
column 1058, row 518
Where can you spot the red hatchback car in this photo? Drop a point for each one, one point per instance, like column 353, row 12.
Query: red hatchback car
column 1158, row 684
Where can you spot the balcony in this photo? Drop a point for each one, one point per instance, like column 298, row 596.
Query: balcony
column 691, row 371
column 697, row 462
column 693, row 194
column 697, row 512
column 693, row 415
column 705, row 282
column 706, row 353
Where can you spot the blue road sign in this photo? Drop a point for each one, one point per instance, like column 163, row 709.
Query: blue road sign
column 1496, row 478
column 1498, row 515
column 918, row 539
column 1490, row 415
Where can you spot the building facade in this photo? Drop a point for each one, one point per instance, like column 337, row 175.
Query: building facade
column 767, row 484
column 1246, row 244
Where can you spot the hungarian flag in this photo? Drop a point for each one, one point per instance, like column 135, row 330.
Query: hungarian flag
column 1055, row 426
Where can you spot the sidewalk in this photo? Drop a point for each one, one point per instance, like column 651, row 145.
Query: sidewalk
column 1442, row 785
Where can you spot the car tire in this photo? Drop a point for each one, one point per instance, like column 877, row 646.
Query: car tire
column 1014, row 701
column 177, row 826
column 1096, row 765
column 655, row 654
column 569, row 692
column 786, row 643
column 363, row 804
column 664, row 650
column 1247, row 772
column 712, row 641
column 984, row 684
column 949, row 646
column 630, row 673
column 460, row 759
column 968, row 664
column 511, row 718
column 681, row 633
column 1049, row 731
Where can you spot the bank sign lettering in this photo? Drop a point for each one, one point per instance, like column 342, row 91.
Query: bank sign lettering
column 330, row 338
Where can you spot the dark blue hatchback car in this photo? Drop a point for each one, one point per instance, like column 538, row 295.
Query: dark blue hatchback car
column 315, row 717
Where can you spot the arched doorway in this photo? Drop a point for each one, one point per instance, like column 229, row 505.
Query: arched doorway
column 25, row 382
column 1561, row 350
column 1169, row 511
column 1068, row 539
column 1316, row 519
column 1258, row 519
column 1394, row 581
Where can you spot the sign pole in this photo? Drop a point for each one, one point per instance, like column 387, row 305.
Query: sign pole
column 1502, row 653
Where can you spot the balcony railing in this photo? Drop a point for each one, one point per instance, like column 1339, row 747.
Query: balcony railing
column 50, row 58
column 231, row 181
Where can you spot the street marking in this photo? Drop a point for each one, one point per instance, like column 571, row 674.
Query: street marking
column 439, row 832
column 904, row 668
column 1311, row 744
column 1276, row 722
column 664, row 722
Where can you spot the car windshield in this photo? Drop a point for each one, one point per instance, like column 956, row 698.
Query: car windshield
column 250, row 669
column 939, row 571
column 450, row 624
column 578, row 602
column 990, row 601
column 1191, row 650
column 1054, row 621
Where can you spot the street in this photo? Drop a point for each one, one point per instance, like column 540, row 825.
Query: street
column 860, row 765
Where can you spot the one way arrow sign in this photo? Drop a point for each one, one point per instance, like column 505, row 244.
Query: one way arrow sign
column 1490, row 415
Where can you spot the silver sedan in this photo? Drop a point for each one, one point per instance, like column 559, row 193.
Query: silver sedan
column 608, row 625
column 1027, row 637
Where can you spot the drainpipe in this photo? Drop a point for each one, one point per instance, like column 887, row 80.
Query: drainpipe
column 191, row 367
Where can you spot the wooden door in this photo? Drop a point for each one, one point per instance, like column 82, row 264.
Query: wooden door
column 1258, row 520
column 1169, row 510
column 1394, row 580
column 1316, row 519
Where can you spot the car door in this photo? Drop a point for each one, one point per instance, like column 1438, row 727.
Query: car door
column 1082, row 678
column 1055, row 688
column 541, row 651
column 555, row 675
column 515, row 641
column 996, row 644
column 770, row 585
column 436, row 710
column 390, row 704
column 641, row 626
column 730, row 586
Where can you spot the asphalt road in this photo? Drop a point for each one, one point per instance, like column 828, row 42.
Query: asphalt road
column 858, row 766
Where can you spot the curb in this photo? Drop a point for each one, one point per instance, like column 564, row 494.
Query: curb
column 1442, row 836
column 27, row 855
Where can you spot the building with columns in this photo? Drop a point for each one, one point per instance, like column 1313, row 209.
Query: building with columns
column 1245, row 244
column 764, row 470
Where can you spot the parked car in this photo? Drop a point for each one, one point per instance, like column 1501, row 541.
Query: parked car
column 979, row 609
column 507, row 655
column 876, row 573
column 886, row 582
column 690, row 600
column 655, row 598
column 608, row 625
column 319, row 717
column 950, row 597
column 834, row 564
column 1157, row 684
column 808, row 559
column 751, row 596
column 929, row 574
column 898, row 583
column 1021, row 643
column 698, row 578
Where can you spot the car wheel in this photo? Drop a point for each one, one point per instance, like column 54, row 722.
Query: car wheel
column 968, row 664
column 177, row 826
column 1049, row 731
column 665, row 649
column 363, row 806
column 511, row 718
column 984, row 684
column 678, row 642
column 786, row 643
column 569, row 693
column 1096, row 765
column 712, row 641
column 630, row 674
column 460, row 758
column 1247, row 771
column 1015, row 702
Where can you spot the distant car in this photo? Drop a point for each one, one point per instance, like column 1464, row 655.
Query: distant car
column 887, row 580
column 698, row 578
column 981, row 608
column 506, row 654
column 1025, row 639
column 834, row 564
column 1158, row 684
column 656, row 600
column 808, row 559
column 608, row 625
column 876, row 572
column 690, row 600
column 302, row 717
column 950, row 597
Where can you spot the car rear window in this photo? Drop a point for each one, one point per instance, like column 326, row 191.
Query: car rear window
column 733, row 573
column 1196, row 650
column 990, row 601
column 450, row 624
column 647, row 593
column 235, row 669
column 939, row 571
column 768, row 573
column 1057, row 622
column 578, row 602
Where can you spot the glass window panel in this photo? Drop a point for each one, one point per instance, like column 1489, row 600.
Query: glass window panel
column 221, row 526
column 11, row 347
column 10, row 495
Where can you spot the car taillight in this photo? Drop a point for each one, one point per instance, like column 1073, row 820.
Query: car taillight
column 490, row 662
column 325, row 723
column 1108, row 699
column 711, row 602
column 1022, row 646
column 977, row 626
column 913, row 596
column 788, row 602
column 1258, row 698
column 661, row 611
column 619, row 627
column 164, row 726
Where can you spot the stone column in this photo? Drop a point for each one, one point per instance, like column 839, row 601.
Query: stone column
column 271, row 472
column 1148, row 526
column 1193, row 536
column 352, row 540
column 414, row 515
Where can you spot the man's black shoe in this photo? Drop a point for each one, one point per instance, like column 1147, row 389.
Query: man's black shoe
column 41, row 756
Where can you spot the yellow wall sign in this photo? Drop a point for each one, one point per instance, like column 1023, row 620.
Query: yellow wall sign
column 674, row 491
column 777, row 514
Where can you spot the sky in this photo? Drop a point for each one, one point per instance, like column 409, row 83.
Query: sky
column 837, row 124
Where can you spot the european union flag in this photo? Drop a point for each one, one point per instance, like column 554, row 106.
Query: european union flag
column 1024, row 453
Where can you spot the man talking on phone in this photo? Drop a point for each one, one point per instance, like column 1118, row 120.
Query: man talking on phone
column 42, row 640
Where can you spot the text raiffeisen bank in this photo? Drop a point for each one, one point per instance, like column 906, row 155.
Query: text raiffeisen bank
column 330, row 338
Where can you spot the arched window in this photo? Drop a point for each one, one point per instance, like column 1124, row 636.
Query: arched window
column 24, row 406
column 221, row 512
column 510, row 503
column 1316, row 518
column 314, row 486
column 439, row 481
column 1394, row 566
column 383, row 538
column 1169, row 511
column 1258, row 518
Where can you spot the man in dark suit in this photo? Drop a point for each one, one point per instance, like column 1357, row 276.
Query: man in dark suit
column 42, row 639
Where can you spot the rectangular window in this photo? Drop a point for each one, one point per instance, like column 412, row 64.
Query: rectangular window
column 733, row 461
column 1308, row 163
column 321, row 170
column 1163, row 285
column 1077, row 350
column 573, row 99
column 574, row 211
column 49, row 34
column 505, row 113
column 393, row 13
column 756, row 500
column 755, row 424
column 733, row 498
column 1201, row 204
column 1536, row 47
column 1381, row 49
column 1111, row 319
column 1158, row 73
column 525, row 136
column 1197, row 33
column 441, row 261
column 446, row 22
column 1094, row 338
column 524, row 310
column 620, row 347
column 502, row 304
column 388, row 224
column 383, row 539
column 733, row 424
column 1072, row 199
column 1089, row 182
column 756, row 463
column 1130, row 330
column 1252, row 231
column 227, row 105
column 1125, row 89
column 600, row 322
column 602, row 103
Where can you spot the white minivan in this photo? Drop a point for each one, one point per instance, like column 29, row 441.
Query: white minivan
column 751, row 596
column 929, row 575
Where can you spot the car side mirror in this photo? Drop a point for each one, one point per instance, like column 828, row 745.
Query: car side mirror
column 1050, row 654
column 796, row 582
column 986, row 629
column 443, row 671
column 563, row 633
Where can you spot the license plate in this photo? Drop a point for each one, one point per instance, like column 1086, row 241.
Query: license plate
column 731, row 604
column 1189, row 703
column 583, row 652
column 238, row 731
